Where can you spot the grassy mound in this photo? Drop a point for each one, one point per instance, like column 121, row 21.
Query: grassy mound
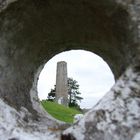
column 60, row 112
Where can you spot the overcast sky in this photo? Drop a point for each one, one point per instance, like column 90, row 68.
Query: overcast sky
column 91, row 71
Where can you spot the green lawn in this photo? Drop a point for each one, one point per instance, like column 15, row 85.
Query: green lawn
column 60, row 112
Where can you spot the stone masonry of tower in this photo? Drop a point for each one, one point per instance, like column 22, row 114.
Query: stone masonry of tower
column 61, row 83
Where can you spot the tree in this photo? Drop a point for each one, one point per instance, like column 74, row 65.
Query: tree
column 73, row 93
column 51, row 94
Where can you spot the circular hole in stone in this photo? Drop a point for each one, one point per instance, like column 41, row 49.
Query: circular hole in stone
column 91, row 72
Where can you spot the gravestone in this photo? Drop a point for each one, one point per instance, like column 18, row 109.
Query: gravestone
column 61, row 83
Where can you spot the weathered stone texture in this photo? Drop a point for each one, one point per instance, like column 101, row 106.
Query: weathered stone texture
column 33, row 31
column 116, row 116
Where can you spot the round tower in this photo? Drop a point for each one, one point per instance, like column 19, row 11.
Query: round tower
column 61, row 83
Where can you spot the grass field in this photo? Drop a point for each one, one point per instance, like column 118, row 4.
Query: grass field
column 60, row 112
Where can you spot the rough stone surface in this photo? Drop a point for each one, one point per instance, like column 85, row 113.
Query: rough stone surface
column 116, row 116
column 33, row 31
column 20, row 125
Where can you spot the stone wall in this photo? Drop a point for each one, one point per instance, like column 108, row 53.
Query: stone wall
column 33, row 31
